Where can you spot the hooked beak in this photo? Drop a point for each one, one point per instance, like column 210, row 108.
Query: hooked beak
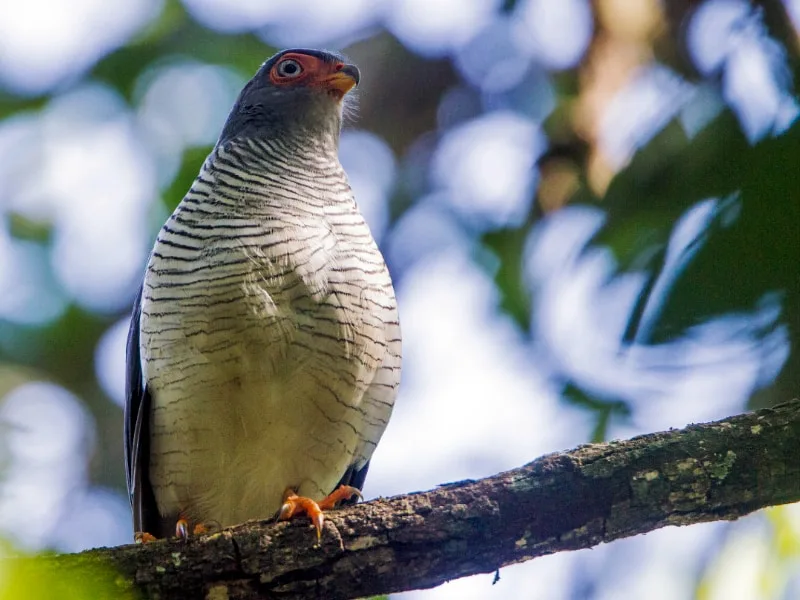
column 341, row 81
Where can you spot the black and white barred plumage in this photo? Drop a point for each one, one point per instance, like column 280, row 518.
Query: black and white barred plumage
column 264, row 350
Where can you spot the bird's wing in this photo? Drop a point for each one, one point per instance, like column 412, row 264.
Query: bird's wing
column 378, row 404
column 137, row 433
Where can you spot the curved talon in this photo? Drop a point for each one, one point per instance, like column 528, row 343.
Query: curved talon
column 318, row 519
column 183, row 531
column 299, row 505
column 142, row 537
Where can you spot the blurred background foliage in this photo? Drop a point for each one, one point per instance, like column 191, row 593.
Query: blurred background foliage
column 590, row 210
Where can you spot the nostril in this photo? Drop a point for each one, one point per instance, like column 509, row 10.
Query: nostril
column 340, row 66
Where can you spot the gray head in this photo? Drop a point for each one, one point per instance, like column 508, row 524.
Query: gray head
column 296, row 90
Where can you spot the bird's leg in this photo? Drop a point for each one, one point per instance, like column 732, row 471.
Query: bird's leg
column 297, row 505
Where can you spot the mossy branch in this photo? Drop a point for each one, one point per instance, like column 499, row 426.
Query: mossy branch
column 564, row 501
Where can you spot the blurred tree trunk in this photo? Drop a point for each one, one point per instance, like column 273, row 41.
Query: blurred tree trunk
column 563, row 501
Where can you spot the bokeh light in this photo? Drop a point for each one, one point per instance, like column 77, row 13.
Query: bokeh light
column 92, row 182
column 48, row 436
column 729, row 36
column 183, row 105
column 370, row 166
column 556, row 33
column 435, row 28
column 42, row 43
column 640, row 110
column 486, row 167
column 109, row 360
column 516, row 309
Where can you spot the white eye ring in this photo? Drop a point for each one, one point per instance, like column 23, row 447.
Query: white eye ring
column 289, row 68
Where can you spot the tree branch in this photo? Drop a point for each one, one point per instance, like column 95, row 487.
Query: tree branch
column 563, row 501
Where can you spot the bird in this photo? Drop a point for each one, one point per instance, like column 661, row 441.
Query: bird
column 264, row 350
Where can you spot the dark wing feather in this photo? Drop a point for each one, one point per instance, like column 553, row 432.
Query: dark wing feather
column 137, row 434
column 354, row 477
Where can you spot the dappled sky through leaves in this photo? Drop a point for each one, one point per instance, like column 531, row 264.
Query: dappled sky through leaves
column 88, row 173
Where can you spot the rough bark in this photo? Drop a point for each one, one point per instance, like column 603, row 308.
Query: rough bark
column 563, row 501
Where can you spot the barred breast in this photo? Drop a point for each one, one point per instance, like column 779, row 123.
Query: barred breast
column 269, row 335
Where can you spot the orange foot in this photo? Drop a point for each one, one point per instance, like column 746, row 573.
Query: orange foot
column 294, row 505
column 142, row 537
column 182, row 529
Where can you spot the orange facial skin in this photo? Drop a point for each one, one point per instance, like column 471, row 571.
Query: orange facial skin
column 314, row 73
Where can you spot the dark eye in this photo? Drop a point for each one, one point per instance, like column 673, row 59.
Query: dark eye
column 289, row 68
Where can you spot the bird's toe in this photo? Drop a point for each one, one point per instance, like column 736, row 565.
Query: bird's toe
column 294, row 505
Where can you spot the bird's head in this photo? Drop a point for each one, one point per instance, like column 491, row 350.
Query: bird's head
column 296, row 90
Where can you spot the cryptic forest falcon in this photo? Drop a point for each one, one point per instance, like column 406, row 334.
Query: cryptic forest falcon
column 263, row 355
